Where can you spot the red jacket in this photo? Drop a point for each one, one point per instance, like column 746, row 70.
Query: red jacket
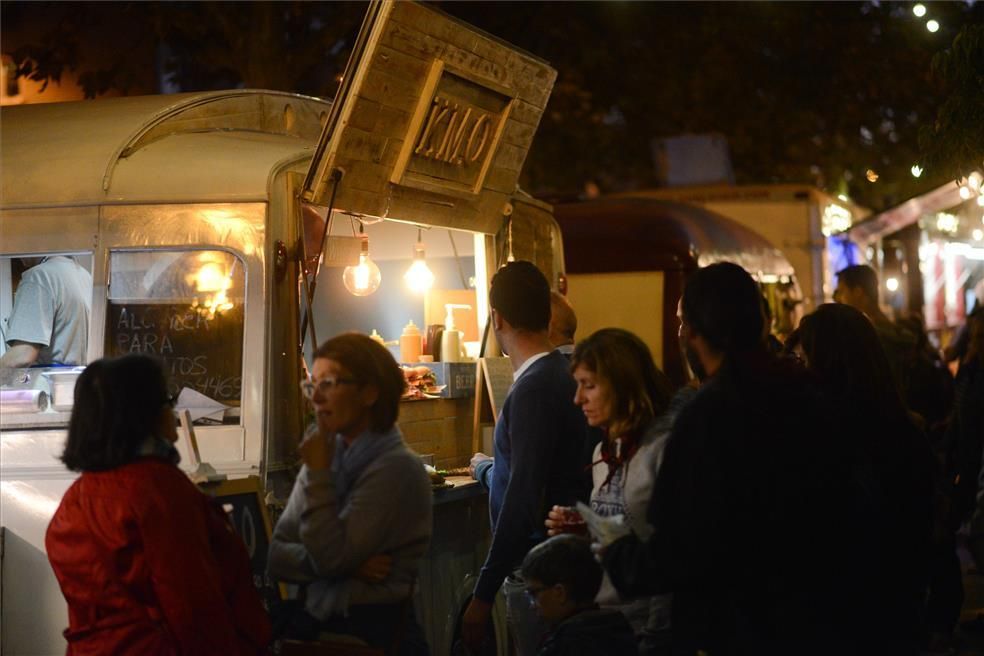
column 149, row 565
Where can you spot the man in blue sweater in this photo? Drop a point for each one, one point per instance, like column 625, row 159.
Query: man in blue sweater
column 539, row 451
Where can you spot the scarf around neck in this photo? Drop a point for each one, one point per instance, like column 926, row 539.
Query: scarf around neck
column 351, row 460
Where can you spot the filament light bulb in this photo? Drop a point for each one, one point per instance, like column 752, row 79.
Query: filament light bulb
column 364, row 278
column 419, row 277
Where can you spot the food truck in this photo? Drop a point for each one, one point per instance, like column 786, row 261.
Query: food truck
column 627, row 259
column 808, row 225
column 221, row 230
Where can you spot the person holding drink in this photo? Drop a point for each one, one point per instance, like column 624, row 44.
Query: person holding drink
column 621, row 391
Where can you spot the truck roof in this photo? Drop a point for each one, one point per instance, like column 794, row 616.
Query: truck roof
column 751, row 193
column 193, row 147
column 642, row 233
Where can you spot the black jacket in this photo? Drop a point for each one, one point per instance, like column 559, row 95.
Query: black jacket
column 599, row 632
column 749, row 514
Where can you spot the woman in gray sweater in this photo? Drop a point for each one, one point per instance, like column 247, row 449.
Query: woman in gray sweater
column 359, row 517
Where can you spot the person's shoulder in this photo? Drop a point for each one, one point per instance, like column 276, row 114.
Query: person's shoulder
column 549, row 373
column 152, row 477
column 402, row 463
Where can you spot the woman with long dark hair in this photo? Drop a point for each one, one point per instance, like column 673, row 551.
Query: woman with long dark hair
column 621, row 391
column 147, row 563
column 893, row 477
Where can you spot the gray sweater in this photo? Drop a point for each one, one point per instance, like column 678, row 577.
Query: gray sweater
column 320, row 543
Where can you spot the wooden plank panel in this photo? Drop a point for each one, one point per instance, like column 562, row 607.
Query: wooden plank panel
column 416, row 44
column 401, row 64
column 390, row 90
column 393, row 122
column 366, row 175
column 510, row 157
column 518, row 134
column 361, row 145
column 525, row 113
column 501, row 180
column 365, row 116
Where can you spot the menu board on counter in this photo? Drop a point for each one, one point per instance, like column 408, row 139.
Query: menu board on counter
column 201, row 352
column 498, row 376
column 492, row 383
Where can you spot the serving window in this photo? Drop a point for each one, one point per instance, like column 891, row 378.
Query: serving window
column 45, row 304
column 185, row 307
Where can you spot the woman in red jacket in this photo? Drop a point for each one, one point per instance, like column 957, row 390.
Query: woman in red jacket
column 147, row 563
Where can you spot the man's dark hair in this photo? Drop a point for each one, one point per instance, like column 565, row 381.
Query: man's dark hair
column 860, row 276
column 521, row 294
column 723, row 304
column 370, row 363
column 567, row 560
column 118, row 405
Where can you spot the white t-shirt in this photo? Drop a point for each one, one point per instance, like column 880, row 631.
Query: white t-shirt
column 51, row 309
column 628, row 494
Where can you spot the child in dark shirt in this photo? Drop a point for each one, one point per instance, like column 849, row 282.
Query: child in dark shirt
column 562, row 579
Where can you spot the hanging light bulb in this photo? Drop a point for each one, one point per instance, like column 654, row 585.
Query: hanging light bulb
column 419, row 277
column 362, row 279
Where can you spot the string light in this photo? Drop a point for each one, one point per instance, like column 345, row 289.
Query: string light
column 919, row 10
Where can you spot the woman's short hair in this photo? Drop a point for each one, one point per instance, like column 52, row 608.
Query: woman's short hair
column 640, row 390
column 118, row 405
column 371, row 364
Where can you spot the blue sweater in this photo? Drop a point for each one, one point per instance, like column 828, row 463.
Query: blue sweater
column 540, row 460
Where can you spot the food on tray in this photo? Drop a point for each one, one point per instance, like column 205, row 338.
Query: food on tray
column 454, row 471
column 436, row 478
column 420, row 381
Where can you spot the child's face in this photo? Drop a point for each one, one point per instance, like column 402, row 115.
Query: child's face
column 551, row 601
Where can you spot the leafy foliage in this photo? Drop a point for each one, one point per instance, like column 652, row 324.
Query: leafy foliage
column 955, row 142
column 808, row 92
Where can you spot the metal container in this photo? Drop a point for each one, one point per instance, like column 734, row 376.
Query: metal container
column 61, row 386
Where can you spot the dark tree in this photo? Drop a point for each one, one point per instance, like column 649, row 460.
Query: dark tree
column 955, row 141
column 808, row 92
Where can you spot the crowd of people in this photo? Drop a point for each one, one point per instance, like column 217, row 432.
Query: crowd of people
column 801, row 499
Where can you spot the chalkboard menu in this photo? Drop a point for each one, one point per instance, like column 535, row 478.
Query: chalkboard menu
column 202, row 352
column 242, row 500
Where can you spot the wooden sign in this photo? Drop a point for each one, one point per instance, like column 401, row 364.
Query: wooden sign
column 242, row 499
column 432, row 122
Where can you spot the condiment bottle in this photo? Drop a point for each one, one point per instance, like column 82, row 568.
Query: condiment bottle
column 410, row 343
column 376, row 337
column 451, row 337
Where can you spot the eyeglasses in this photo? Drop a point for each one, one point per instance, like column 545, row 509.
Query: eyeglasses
column 532, row 592
column 324, row 386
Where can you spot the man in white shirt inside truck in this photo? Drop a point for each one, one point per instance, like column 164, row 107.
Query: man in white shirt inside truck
column 49, row 323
